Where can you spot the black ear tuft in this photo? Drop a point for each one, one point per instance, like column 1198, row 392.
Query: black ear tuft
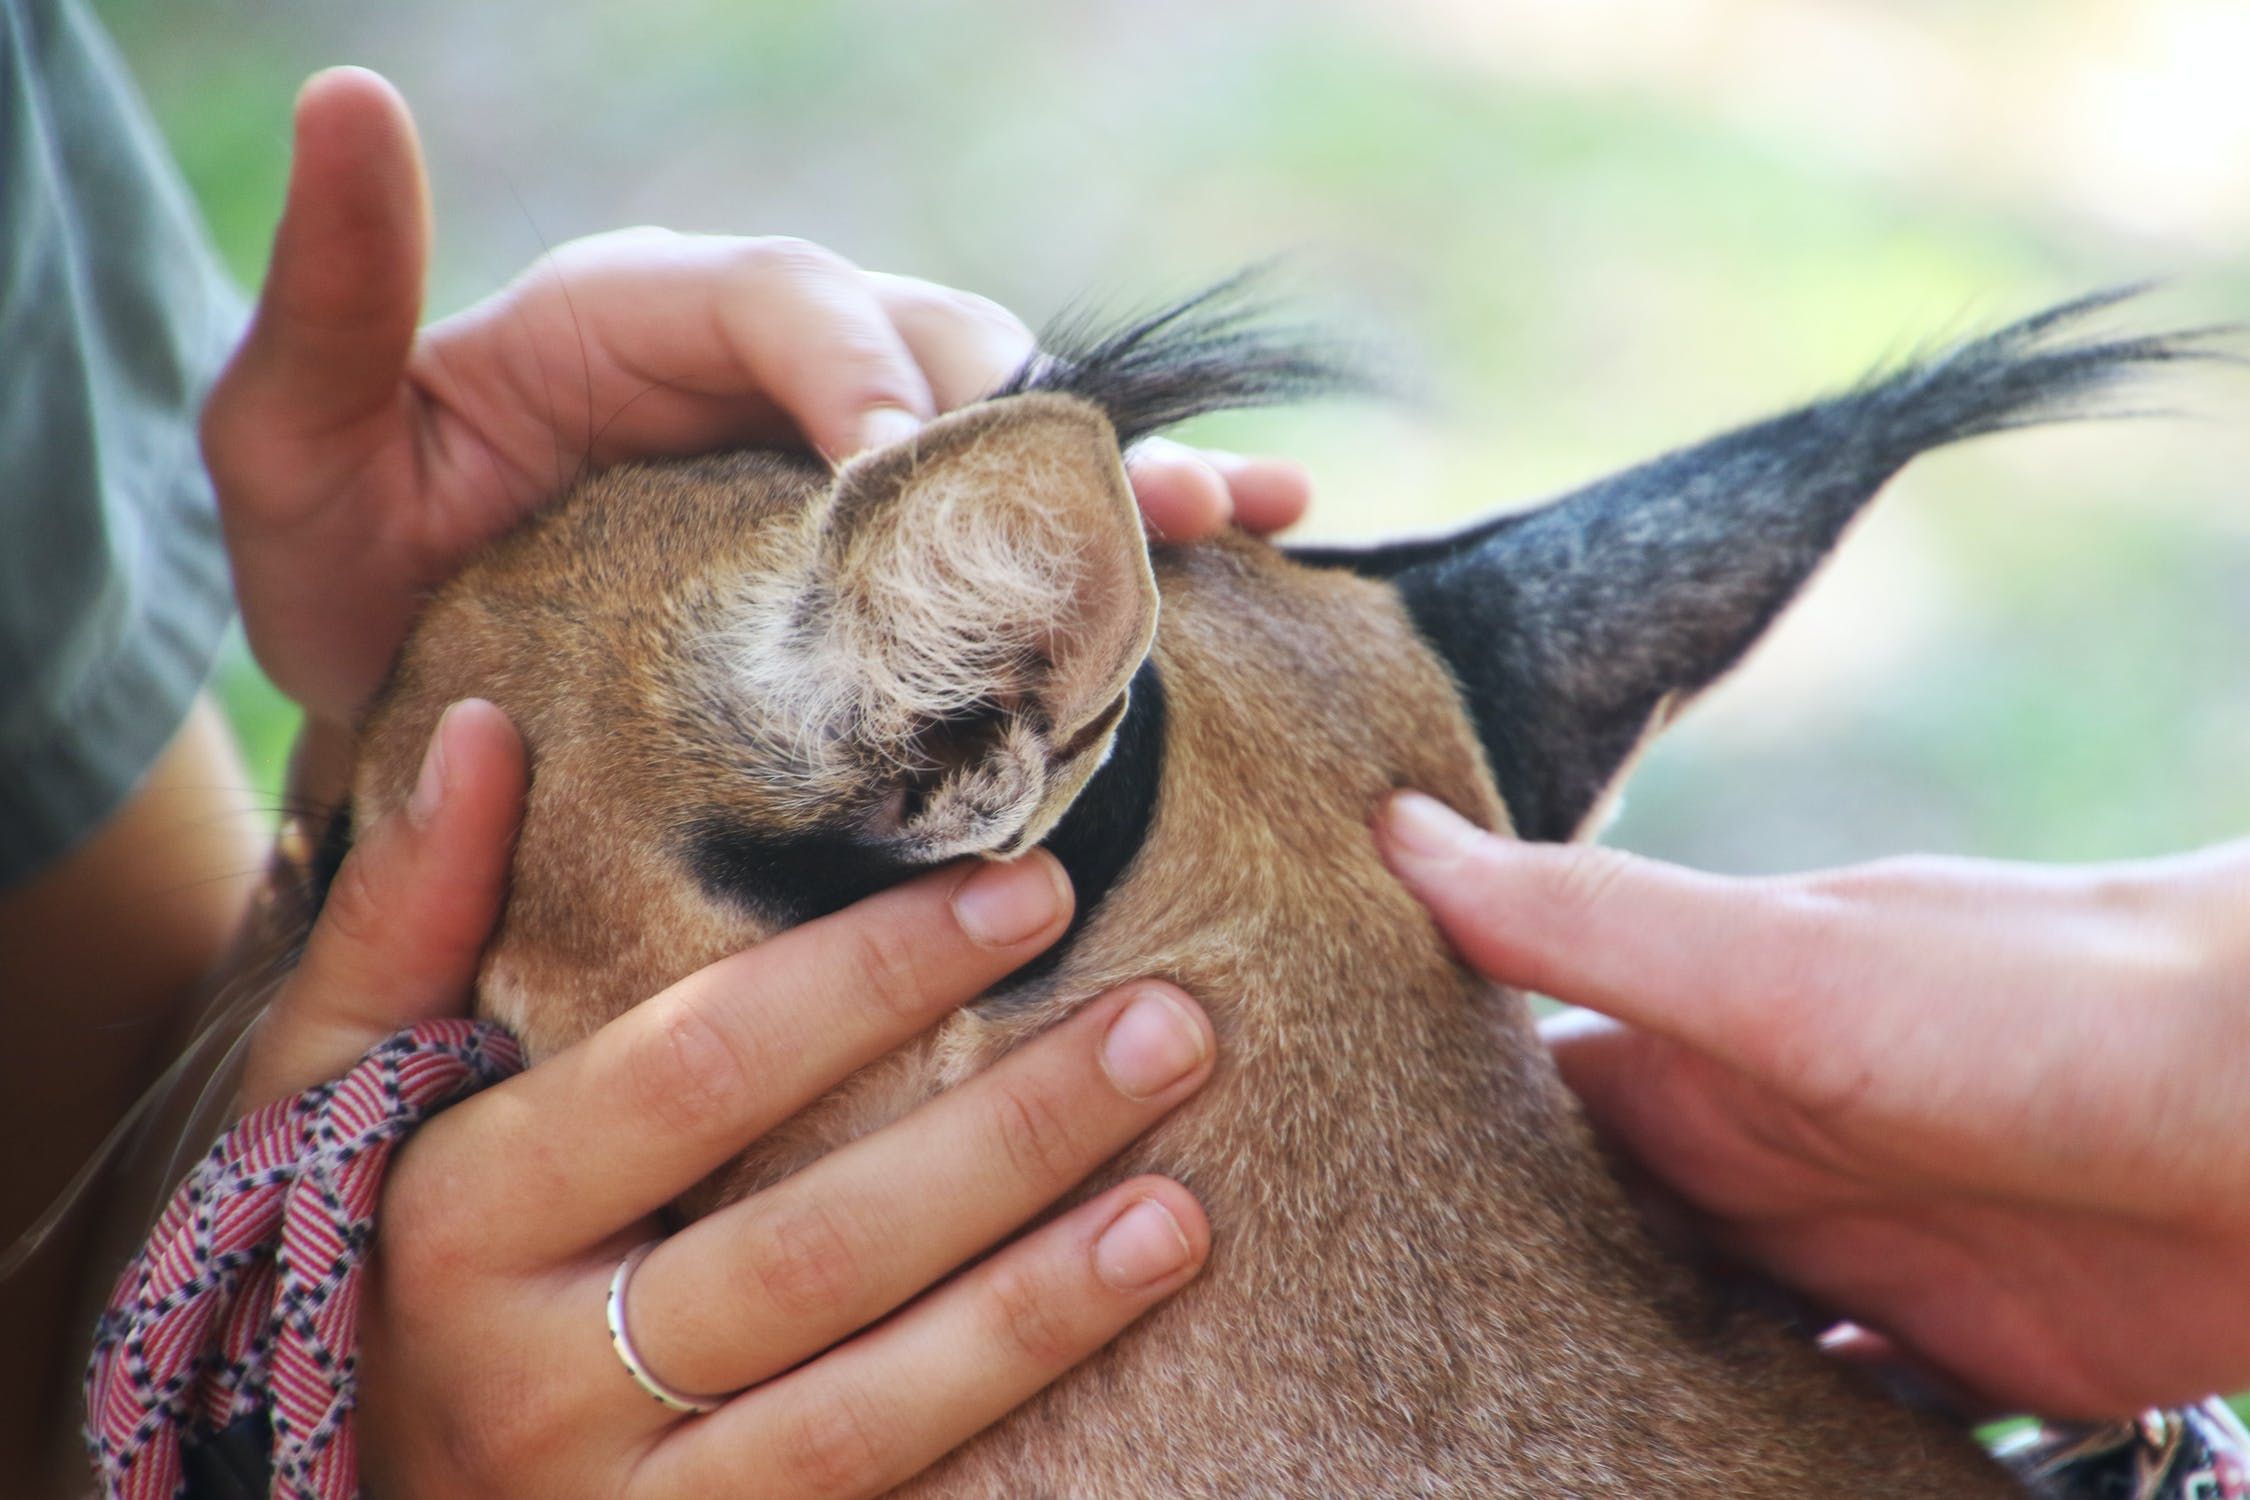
column 1225, row 348
column 1576, row 627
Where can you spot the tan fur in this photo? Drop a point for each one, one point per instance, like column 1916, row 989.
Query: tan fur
column 1425, row 1282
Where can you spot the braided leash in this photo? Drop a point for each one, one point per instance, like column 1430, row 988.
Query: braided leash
column 244, row 1301
column 2198, row 1452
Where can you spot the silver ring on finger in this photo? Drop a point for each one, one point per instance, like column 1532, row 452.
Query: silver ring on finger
column 621, row 1339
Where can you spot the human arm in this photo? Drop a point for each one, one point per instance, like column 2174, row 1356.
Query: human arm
column 1999, row 1115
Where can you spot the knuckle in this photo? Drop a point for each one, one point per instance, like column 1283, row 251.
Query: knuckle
column 1037, row 1136
column 927, row 305
column 884, row 964
column 611, row 253
column 518, row 1426
column 1588, row 882
column 833, row 1446
column 433, row 1246
column 1815, row 998
column 874, row 365
column 356, row 911
column 865, row 361
column 420, row 1246
column 2192, row 905
column 510, row 1432
column 807, row 1266
column 685, row 1071
column 1829, row 1084
column 1809, row 909
column 1027, row 1318
column 1892, row 878
column 2151, row 951
column 1808, row 932
column 2125, row 893
column 990, row 315
column 792, row 261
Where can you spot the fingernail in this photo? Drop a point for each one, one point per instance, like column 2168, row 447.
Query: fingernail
column 881, row 426
column 1142, row 1245
column 1151, row 1045
column 1425, row 828
column 429, row 786
column 1002, row 905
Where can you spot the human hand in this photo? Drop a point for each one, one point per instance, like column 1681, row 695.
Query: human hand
column 485, row 1363
column 359, row 462
column 1999, row 1115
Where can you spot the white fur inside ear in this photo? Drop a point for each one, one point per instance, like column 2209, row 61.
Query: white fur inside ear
column 983, row 806
column 920, row 615
column 995, row 570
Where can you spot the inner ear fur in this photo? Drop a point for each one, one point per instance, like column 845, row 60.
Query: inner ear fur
column 986, row 586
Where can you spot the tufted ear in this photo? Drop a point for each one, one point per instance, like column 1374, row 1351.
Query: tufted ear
column 973, row 606
column 1577, row 629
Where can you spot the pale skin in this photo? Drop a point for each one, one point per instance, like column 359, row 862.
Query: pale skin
column 360, row 458
column 358, row 461
column 486, row 1366
column 1998, row 1114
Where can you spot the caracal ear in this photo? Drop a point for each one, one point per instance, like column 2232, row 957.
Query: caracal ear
column 1576, row 630
column 982, row 595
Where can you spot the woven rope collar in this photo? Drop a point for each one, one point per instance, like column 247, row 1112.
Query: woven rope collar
column 244, row 1302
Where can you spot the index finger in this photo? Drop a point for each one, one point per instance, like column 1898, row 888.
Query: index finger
column 1742, row 970
column 967, row 345
column 613, row 1128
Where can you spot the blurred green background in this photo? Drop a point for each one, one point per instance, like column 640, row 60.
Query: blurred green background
column 1599, row 228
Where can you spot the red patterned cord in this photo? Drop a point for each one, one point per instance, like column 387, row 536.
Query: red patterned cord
column 245, row 1297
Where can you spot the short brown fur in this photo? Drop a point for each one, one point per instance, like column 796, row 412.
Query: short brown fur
column 1425, row 1281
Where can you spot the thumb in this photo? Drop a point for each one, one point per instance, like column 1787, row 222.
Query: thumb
column 408, row 915
column 336, row 318
column 1680, row 953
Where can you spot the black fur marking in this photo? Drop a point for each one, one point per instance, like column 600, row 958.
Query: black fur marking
column 792, row 877
column 797, row 877
column 328, row 856
column 1568, row 626
column 1105, row 828
column 1222, row 349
